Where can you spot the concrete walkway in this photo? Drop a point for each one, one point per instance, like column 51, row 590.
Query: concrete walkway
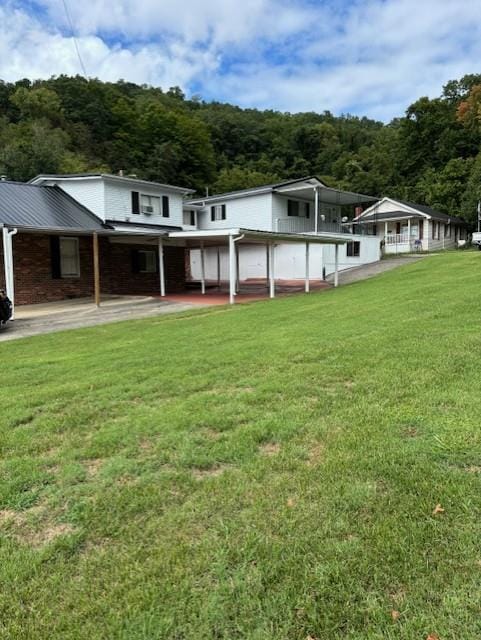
column 369, row 270
column 31, row 320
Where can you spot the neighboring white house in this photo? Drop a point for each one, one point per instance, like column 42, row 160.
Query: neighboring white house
column 404, row 226
column 125, row 201
column 303, row 206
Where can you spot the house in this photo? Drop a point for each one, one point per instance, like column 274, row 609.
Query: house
column 72, row 236
column 69, row 236
column 303, row 206
column 404, row 226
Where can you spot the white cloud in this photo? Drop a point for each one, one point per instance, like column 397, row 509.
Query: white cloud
column 372, row 57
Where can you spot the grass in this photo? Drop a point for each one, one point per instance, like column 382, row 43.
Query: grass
column 268, row 471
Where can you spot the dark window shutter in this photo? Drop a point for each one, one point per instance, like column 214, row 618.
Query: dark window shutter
column 135, row 202
column 308, row 209
column 212, row 213
column 165, row 206
column 135, row 261
column 55, row 256
column 223, row 212
column 374, row 229
column 398, row 228
column 289, row 208
column 192, row 218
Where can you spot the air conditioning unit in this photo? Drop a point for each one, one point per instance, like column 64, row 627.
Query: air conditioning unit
column 147, row 209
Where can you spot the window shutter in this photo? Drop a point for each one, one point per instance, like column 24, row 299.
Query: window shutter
column 289, row 208
column 212, row 214
column 135, row 261
column 165, row 207
column 55, row 256
column 223, row 212
column 308, row 209
column 135, row 202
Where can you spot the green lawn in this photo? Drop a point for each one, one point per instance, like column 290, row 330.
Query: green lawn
column 268, row 471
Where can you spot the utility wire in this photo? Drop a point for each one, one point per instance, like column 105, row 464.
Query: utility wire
column 69, row 18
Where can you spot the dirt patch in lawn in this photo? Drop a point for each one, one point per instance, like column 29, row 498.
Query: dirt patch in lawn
column 315, row 454
column 34, row 526
column 92, row 466
column 211, row 472
column 270, row 448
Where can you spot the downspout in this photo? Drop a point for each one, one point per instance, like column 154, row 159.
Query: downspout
column 8, row 265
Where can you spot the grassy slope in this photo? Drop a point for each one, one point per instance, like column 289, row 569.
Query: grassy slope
column 268, row 471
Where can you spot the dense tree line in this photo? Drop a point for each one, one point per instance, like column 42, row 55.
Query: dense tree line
column 431, row 155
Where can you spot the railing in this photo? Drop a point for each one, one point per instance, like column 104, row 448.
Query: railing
column 396, row 238
column 306, row 225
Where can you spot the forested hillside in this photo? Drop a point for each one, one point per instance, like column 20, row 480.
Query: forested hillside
column 66, row 124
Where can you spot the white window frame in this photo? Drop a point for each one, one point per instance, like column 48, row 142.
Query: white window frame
column 218, row 210
column 75, row 242
column 147, row 200
column 152, row 267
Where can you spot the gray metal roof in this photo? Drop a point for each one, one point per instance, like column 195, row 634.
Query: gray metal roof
column 46, row 177
column 28, row 206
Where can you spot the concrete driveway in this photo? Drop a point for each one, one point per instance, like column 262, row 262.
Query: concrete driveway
column 366, row 271
column 31, row 320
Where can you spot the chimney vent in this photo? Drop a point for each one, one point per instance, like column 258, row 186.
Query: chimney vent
column 3, row 178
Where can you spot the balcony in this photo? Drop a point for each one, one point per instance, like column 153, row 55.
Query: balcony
column 306, row 225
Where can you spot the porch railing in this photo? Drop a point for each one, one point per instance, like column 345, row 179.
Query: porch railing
column 396, row 238
column 306, row 225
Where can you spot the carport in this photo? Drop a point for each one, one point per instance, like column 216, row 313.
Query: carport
column 238, row 237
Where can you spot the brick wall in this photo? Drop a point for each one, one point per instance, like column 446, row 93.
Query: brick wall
column 33, row 270
column 122, row 280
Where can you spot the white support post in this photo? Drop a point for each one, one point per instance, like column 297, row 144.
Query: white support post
column 321, row 247
column 237, row 269
column 268, row 271
column 231, row 270
column 336, row 265
column 409, row 233
column 202, row 269
column 316, row 210
column 306, row 284
column 161, row 268
column 385, row 230
column 8, row 266
column 272, row 286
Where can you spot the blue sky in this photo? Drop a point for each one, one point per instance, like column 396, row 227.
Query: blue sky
column 365, row 57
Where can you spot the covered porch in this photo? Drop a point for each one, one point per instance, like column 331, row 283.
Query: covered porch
column 237, row 239
column 312, row 207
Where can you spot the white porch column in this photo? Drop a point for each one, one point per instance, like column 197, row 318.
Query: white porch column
column 161, row 268
column 8, row 266
column 231, row 270
column 237, row 269
column 272, row 287
column 306, row 284
column 409, row 232
column 385, row 230
column 316, row 210
column 202, row 269
column 336, row 265
column 268, row 270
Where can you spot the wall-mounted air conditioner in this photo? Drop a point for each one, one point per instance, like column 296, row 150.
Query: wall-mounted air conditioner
column 147, row 209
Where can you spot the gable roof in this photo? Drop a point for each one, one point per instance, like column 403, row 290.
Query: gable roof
column 422, row 209
column 265, row 188
column 27, row 206
column 42, row 178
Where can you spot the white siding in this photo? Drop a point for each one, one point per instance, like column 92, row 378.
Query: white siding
column 89, row 192
column 118, row 205
column 289, row 260
column 249, row 212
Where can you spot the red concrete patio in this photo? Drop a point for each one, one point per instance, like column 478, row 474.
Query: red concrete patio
column 249, row 291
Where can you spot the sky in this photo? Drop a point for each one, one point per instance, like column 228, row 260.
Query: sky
column 364, row 57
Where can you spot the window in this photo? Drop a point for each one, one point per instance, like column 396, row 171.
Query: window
column 150, row 204
column 353, row 249
column 69, row 258
column 147, row 261
column 292, row 208
column 189, row 218
column 218, row 212
column 135, row 202
column 298, row 209
column 165, row 207
column 446, row 229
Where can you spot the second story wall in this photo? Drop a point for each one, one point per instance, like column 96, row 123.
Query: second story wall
column 150, row 203
column 249, row 212
column 90, row 193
